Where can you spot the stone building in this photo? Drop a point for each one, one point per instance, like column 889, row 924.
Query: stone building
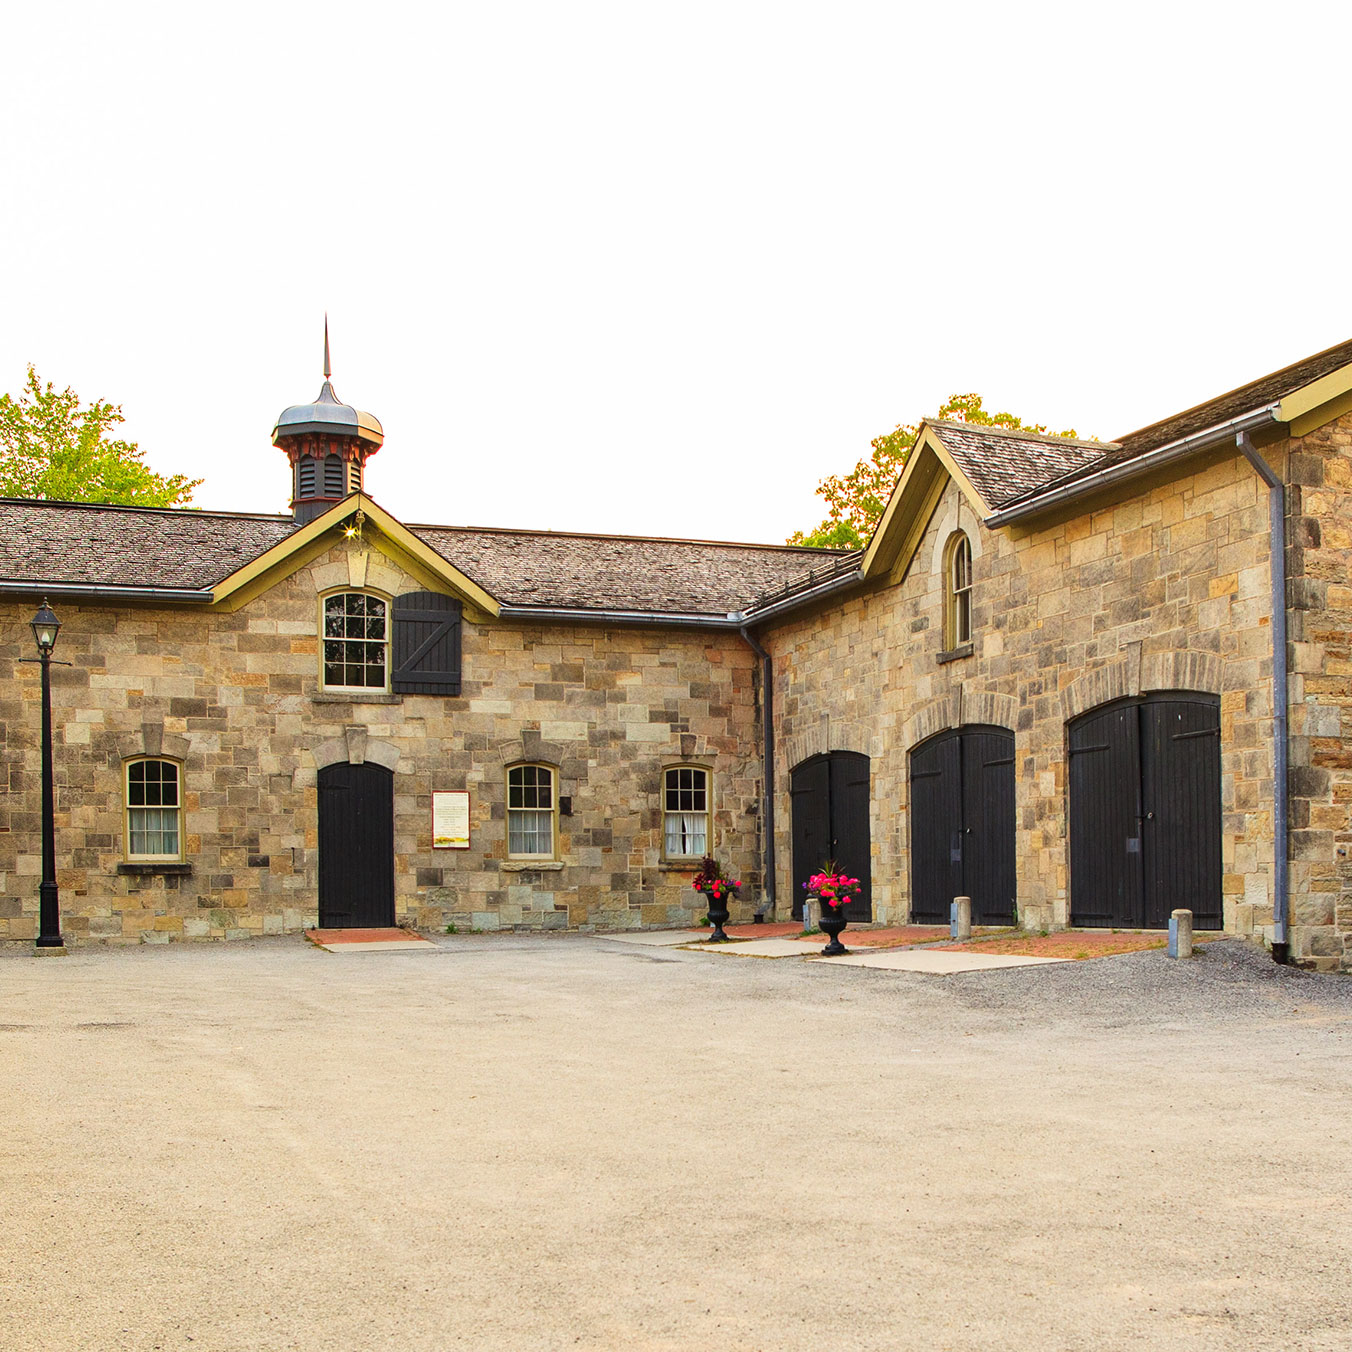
column 1048, row 683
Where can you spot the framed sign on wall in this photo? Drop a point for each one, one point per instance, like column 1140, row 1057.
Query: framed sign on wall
column 450, row 819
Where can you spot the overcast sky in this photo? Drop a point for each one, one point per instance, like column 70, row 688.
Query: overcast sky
column 657, row 269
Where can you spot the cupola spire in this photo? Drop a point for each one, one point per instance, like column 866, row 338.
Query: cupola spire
column 328, row 443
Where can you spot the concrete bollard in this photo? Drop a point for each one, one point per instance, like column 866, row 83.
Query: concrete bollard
column 1180, row 934
column 812, row 914
column 960, row 918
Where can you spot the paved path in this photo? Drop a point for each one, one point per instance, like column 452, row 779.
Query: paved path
column 558, row 1142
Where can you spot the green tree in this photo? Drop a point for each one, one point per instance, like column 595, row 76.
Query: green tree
column 53, row 447
column 855, row 501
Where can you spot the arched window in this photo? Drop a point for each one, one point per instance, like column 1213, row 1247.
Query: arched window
column 685, row 812
column 957, row 591
column 356, row 642
column 154, row 804
column 532, row 812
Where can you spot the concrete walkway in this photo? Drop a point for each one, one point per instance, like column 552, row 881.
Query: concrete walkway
column 538, row 1143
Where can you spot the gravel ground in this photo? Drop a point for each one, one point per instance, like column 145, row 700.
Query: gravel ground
column 558, row 1142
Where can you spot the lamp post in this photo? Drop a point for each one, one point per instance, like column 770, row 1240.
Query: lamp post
column 45, row 629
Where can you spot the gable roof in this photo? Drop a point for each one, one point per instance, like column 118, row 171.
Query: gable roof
column 1002, row 465
column 212, row 555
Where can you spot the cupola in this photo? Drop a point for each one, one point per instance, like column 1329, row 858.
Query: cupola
column 327, row 443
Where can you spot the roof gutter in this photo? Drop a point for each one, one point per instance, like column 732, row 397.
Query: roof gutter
column 1130, row 469
column 101, row 591
column 801, row 598
column 1281, row 745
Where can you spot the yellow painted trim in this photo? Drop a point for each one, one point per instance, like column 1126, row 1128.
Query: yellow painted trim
column 127, row 856
column 913, row 502
column 707, row 814
column 511, row 858
column 1302, row 402
column 1325, row 413
column 394, row 539
column 979, row 505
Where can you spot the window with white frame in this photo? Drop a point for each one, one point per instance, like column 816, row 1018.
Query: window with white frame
column 154, row 808
column 958, row 591
column 685, row 812
column 532, row 806
column 356, row 642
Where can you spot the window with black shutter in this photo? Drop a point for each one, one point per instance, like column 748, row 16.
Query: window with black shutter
column 426, row 644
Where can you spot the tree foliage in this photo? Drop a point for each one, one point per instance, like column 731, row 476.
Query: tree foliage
column 53, row 447
column 855, row 501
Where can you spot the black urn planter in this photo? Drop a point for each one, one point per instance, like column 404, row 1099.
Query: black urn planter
column 718, row 917
column 831, row 924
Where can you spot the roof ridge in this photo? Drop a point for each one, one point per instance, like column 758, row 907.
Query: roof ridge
column 985, row 429
column 1240, row 388
column 634, row 539
column 196, row 513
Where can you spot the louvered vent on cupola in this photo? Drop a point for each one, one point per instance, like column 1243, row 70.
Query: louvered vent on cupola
column 426, row 644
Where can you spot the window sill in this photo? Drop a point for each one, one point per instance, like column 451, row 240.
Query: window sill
column 356, row 697
column 679, row 865
column 149, row 869
column 530, row 865
column 955, row 654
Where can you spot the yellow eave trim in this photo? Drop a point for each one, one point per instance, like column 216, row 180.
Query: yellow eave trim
column 1299, row 405
column 306, row 543
column 912, row 504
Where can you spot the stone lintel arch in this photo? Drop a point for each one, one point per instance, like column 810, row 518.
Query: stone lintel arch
column 355, row 747
column 531, row 749
column 826, row 735
column 958, row 707
column 1135, row 674
column 153, row 741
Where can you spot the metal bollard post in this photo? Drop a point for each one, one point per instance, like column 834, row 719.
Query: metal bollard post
column 960, row 918
column 1180, row 934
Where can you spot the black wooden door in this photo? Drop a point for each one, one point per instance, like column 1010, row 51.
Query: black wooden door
column 962, row 825
column 830, row 798
column 356, row 847
column 1145, row 813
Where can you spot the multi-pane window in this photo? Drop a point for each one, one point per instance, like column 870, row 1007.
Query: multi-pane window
column 355, row 643
column 685, row 806
column 530, row 812
column 153, row 808
column 958, row 586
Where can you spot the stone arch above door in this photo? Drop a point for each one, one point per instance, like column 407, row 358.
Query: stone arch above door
column 356, row 747
column 827, row 735
column 958, row 707
column 1135, row 674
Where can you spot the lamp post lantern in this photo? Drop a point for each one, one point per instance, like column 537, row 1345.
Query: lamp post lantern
column 45, row 629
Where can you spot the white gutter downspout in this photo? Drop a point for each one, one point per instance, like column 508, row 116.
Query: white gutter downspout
column 1281, row 882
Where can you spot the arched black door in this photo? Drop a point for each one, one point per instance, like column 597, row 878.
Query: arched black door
column 356, row 847
column 830, row 796
column 962, row 825
column 1145, row 812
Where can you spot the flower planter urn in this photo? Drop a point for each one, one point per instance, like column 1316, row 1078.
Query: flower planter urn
column 831, row 924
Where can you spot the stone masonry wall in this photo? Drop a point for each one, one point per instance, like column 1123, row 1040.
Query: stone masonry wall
column 1319, row 553
column 236, row 696
column 1168, row 589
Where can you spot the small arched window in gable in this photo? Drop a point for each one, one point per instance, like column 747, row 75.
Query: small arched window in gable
column 957, row 591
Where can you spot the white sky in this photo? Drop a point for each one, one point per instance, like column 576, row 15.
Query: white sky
column 657, row 269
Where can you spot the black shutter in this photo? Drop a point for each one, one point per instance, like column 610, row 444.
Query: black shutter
column 426, row 644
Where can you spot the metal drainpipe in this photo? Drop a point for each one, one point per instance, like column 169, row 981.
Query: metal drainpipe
column 768, row 771
column 1281, row 902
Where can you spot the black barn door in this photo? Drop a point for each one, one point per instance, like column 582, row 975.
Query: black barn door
column 962, row 825
column 356, row 847
column 1145, row 813
column 830, row 797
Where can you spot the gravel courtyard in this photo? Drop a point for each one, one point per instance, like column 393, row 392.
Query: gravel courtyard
column 563, row 1142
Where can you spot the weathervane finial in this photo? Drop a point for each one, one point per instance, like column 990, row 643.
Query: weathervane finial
column 327, row 372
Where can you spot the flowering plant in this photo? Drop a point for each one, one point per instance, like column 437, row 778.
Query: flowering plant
column 834, row 887
column 711, row 880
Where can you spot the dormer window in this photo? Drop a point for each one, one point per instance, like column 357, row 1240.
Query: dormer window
column 957, row 591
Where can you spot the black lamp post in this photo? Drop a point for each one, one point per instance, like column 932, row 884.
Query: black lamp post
column 45, row 629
